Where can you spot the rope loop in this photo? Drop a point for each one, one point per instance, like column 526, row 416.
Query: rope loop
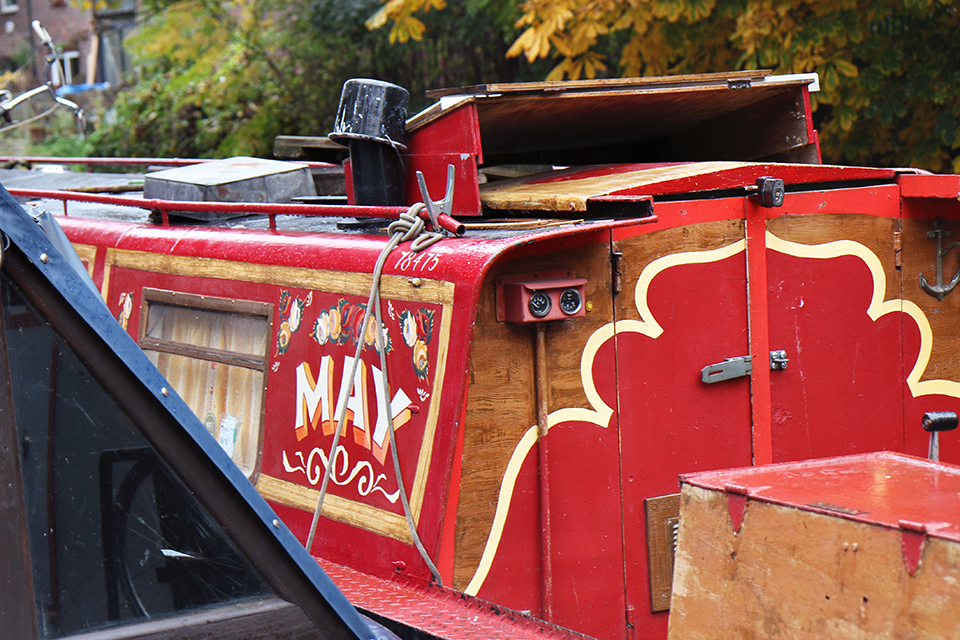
column 412, row 227
column 410, row 223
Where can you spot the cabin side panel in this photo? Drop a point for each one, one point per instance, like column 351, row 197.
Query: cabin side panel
column 312, row 327
column 923, row 218
column 539, row 515
column 681, row 308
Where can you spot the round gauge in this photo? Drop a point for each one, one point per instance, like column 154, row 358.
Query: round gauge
column 539, row 304
column 570, row 301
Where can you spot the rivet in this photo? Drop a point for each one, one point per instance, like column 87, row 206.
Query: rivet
column 164, row 391
column 589, row 306
column 276, row 523
column 44, row 258
column 416, row 282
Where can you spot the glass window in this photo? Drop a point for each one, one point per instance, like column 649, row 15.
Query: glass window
column 114, row 537
column 70, row 63
column 213, row 352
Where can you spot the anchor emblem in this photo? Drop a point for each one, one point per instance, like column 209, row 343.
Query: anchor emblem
column 940, row 289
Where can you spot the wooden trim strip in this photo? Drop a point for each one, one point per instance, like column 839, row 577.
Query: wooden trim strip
column 336, row 508
column 759, row 331
column 204, row 353
column 88, row 253
column 209, row 303
column 348, row 283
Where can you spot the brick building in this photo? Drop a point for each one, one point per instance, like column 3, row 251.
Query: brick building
column 90, row 42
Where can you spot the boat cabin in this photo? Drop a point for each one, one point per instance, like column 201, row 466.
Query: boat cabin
column 639, row 279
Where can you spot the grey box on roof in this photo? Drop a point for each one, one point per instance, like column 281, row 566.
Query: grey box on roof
column 238, row 179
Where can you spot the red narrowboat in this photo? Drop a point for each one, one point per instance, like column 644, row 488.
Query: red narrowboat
column 634, row 279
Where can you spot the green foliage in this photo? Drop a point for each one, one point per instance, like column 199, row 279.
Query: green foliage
column 889, row 69
column 219, row 78
column 216, row 80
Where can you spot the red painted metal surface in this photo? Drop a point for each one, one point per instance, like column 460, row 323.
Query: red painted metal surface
column 888, row 489
column 443, row 613
column 451, row 139
column 462, row 262
column 664, row 420
column 668, row 419
column 719, row 176
column 925, row 185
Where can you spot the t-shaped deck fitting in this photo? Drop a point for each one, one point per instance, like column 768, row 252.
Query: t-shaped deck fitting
column 935, row 422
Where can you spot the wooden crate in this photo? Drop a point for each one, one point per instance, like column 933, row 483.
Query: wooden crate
column 855, row 547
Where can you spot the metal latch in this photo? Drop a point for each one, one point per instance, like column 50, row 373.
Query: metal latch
column 739, row 367
column 729, row 368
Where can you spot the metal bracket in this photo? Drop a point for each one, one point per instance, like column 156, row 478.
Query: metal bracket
column 778, row 360
column 435, row 208
column 940, row 289
column 739, row 367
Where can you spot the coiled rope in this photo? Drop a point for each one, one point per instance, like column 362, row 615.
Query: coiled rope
column 410, row 226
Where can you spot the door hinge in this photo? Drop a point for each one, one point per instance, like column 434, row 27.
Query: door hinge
column 616, row 276
column 897, row 247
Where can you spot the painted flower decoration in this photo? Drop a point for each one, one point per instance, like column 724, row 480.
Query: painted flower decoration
column 285, row 300
column 343, row 322
column 321, row 328
column 370, row 335
column 421, row 359
column 283, row 337
column 416, row 327
column 408, row 328
column 291, row 313
column 424, row 318
column 333, row 324
column 296, row 313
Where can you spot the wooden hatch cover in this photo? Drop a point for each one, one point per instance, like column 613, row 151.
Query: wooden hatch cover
column 744, row 115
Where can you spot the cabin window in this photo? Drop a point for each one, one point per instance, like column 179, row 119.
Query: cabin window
column 213, row 351
column 9, row 6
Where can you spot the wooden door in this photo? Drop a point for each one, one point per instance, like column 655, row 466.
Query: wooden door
column 834, row 307
column 682, row 306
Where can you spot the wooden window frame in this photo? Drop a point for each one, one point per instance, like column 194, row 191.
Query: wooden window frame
column 211, row 303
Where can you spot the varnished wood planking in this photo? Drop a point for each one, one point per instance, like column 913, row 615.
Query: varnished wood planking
column 919, row 257
column 350, row 512
column 876, row 233
column 601, row 84
column 501, row 394
column 640, row 251
column 349, row 283
column 796, row 574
